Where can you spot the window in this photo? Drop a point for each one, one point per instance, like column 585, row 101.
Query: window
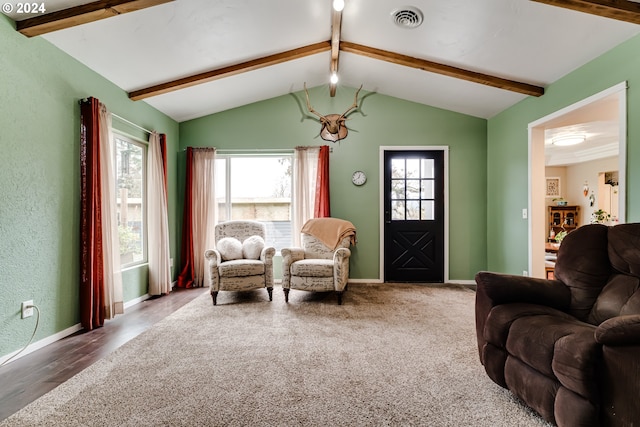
column 257, row 187
column 131, row 185
column 412, row 189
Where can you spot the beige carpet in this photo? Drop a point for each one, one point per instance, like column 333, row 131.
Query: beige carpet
column 391, row 355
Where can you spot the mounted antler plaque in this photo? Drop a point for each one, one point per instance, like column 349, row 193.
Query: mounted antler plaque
column 333, row 125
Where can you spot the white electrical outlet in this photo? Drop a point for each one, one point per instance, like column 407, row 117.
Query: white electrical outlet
column 27, row 309
column 525, row 273
column 524, row 213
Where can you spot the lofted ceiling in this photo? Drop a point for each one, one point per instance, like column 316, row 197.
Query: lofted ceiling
column 523, row 41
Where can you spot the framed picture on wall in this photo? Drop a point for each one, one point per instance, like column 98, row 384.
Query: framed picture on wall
column 553, row 187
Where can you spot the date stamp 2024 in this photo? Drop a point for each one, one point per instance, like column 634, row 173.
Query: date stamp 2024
column 32, row 8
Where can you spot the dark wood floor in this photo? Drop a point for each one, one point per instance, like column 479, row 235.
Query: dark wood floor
column 29, row 377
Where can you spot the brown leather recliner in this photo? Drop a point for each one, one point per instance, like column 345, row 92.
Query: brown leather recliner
column 569, row 348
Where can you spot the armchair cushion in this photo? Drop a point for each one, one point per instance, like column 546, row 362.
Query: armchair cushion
column 241, row 268
column 313, row 268
column 229, row 248
column 252, row 247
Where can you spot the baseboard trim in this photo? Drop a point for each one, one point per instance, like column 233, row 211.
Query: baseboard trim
column 462, row 282
column 136, row 301
column 377, row 281
column 62, row 334
column 43, row 343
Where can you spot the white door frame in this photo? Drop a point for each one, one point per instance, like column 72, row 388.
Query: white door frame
column 537, row 216
column 445, row 150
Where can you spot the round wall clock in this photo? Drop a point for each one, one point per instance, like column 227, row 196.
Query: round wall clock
column 359, row 178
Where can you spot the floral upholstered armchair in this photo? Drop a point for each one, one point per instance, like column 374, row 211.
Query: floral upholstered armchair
column 322, row 263
column 240, row 261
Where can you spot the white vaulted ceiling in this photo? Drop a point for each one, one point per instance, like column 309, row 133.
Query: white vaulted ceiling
column 520, row 40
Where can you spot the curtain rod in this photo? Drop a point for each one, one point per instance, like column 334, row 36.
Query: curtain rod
column 247, row 150
column 131, row 123
column 255, row 150
column 80, row 101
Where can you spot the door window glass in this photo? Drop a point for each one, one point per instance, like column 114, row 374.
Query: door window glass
column 412, row 189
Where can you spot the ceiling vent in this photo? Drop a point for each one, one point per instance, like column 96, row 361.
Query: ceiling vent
column 407, row 17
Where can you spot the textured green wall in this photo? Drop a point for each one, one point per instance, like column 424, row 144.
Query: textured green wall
column 508, row 150
column 383, row 121
column 39, row 174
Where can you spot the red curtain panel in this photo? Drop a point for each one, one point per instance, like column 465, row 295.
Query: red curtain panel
column 185, row 279
column 321, row 206
column 91, row 265
column 163, row 150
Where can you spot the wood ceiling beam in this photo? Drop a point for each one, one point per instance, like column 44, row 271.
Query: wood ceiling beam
column 621, row 10
column 82, row 14
column 447, row 70
column 336, row 23
column 231, row 70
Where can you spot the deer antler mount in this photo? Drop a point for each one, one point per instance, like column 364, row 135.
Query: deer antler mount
column 333, row 125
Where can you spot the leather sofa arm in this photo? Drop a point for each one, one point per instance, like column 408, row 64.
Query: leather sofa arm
column 496, row 288
column 505, row 288
column 619, row 331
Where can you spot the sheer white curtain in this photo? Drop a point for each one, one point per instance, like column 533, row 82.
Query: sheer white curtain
column 205, row 209
column 157, row 221
column 305, row 171
column 113, row 299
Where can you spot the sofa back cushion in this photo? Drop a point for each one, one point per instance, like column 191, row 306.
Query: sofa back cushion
column 621, row 295
column 583, row 265
column 624, row 248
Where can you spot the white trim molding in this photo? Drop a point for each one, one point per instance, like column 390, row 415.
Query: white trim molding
column 42, row 343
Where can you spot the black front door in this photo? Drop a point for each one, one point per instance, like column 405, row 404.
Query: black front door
column 414, row 216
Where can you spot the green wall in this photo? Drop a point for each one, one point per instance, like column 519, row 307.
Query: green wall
column 508, row 150
column 39, row 174
column 283, row 122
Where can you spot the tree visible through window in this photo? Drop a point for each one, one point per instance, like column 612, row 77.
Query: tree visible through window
column 130, row 199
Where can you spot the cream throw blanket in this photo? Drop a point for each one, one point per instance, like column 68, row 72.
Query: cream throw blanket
column 330, row 231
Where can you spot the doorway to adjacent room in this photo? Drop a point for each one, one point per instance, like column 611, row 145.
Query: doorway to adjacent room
column 601, row 119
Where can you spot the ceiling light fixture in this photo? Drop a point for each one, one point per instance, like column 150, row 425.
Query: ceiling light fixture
column 334, row 78
column 338, row 5
column 563, row 141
